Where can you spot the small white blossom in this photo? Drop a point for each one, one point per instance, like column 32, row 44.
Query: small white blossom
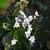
column 23, row 25
column 17, row 19
column 27, row 34
column 34, row 17
column 26, row 21
column 30, row 18
column 4, row 26
column 32, row 40
column 16, row 25
column 36, row 13
column 30, row 27
column 22, row 13
column 13, row 42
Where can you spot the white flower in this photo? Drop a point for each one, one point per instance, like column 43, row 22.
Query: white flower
column 23, row 25
column 34, row 17
column 17, row 19
column 30, row 18
column 4, row 26
column 22, row 13
column 26, row 21
column 30, row 27
column 36, row 13
column 27, row 34
column 13, row 42
column 32, row 39
column 16, row 25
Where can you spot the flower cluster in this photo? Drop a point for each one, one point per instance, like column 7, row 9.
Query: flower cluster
column 25, row 21
column 22, row 18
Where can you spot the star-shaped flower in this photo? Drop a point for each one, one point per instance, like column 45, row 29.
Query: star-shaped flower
column 36, row 13
column 32, row 39
column 13, row 42
column 30, row 18
column 29, row 27
column 27, row 34
column 16, row 25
